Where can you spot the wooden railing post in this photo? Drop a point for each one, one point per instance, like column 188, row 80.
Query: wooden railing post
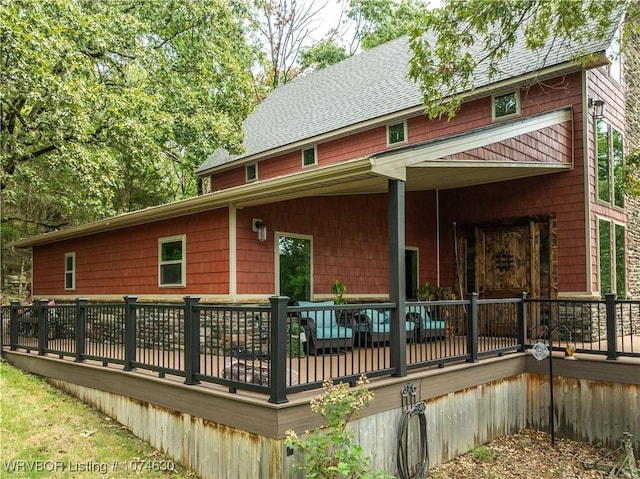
column 191, row 340
column 522, row 322
column 129, row 332
column 472, row 329
column 14, row 325
column 610, row 306
column 278, row 348
column 81, row 328
column 43, row 327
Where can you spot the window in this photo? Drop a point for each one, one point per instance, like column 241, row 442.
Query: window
column 506, row 105
column 70, row 271
column 611, row 247
column 309, row 156
column 613, row 55
column 251, row 172
column 609, row 155
column 397, row 133
column 293, row 268
column 172, row 262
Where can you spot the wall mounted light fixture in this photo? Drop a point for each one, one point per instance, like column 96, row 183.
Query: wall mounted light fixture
column 257, row 226
column 598, row 107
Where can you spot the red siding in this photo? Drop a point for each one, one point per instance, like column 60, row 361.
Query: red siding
column 350, row 232
column 125, row 261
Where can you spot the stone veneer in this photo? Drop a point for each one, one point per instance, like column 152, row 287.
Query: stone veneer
column 632, row 135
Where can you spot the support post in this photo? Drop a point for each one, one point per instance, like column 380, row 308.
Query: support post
column 81, row 328
column 610, row 306
column 278, row 348
column 472, row 328
column 191, row 340
column 522, row 323
column 129, row 332
column 14, row 325
column 397, row 279
column 43, row 327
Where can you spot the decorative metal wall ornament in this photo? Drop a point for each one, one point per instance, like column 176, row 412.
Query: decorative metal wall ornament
column 504, row 261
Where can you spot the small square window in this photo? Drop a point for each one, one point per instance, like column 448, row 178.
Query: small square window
column 251, row 172
column 172, row 261
column 309, row 157
column 506, row 105
column 70, row 271
column 397, row 133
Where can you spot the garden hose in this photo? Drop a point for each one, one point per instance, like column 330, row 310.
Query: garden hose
column 405, row 470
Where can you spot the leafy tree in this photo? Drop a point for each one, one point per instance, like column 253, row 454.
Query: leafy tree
column 443, row 63
column 379, row 21
column 282, row 29
column 102, row 101
column 322, row 55
column 107, row 107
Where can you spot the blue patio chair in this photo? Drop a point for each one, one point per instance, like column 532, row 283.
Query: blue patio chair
column 322, row 328
column 426, row 328
column 375, row 328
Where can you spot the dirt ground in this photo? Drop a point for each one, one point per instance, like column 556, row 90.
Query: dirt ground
column 529, row 454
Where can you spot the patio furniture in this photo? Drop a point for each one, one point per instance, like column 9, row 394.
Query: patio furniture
column 374, row 326
column 322, row 328
column 426, row 327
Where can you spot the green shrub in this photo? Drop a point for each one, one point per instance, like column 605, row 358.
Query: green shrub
column 329, row 451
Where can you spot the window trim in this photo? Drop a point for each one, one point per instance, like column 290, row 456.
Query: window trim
column 246, row 172
column 277, row 236
column 613, row 254
column 72, row 272
column 313, row 148
column 614, row 69
column 614, row 193
column 405, row 133
column 516, row 93
column 183, row 261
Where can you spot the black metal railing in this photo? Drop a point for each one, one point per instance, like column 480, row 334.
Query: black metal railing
column 278, row 349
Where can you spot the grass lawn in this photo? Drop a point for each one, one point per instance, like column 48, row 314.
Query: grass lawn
column 47, row 433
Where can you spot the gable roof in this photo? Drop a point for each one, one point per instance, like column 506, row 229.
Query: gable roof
column 374, row 85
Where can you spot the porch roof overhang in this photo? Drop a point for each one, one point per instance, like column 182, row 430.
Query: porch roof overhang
column 428, row 165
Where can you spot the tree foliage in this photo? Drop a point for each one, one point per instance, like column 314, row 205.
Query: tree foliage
column 443, row 62
column 283, row 29
column 379, row 21
column 108, row 106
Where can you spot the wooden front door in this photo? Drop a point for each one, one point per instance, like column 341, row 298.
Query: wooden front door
column 506, row 265
column 504, row 261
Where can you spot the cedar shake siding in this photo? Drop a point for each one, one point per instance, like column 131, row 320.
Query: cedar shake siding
column 125, row 261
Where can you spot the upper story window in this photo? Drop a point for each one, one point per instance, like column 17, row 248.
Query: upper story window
column 613, row 55
column 310, row 156
column 172, row 261
column 610, row 156
column 397, row 133
column 505, row 106
column 251, row 172
column 70, row 271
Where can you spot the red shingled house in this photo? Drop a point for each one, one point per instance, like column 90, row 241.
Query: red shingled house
column 344, row 178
